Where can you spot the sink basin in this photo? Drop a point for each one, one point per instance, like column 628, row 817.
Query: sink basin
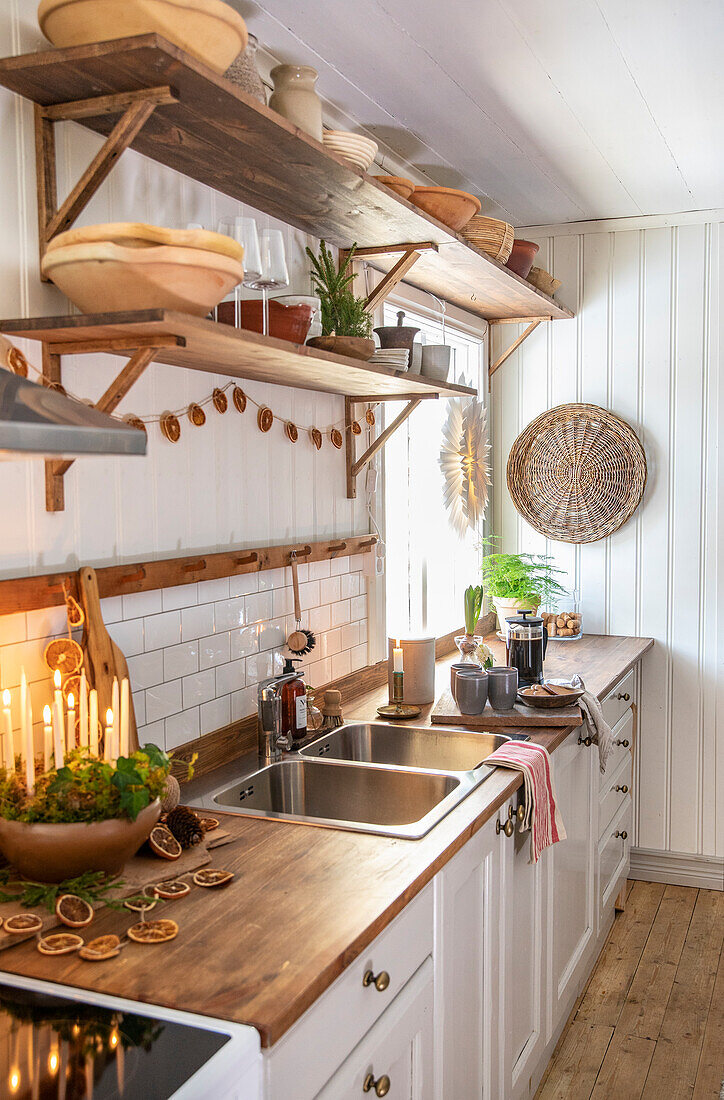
column 361, row 797
column 407, row 746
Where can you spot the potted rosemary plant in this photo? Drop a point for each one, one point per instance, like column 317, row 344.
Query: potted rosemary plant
column 515, row 582
column 346, row 324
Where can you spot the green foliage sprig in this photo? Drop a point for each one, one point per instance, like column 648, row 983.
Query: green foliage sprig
column 91, row 886
column 87, row 789
column 343, row 314
column 473, row 605
column 520, row 576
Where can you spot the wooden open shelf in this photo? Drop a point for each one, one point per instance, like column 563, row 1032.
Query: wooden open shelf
column 214, row 133
column 194, row 342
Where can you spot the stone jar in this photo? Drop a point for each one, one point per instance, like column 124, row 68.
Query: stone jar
column 295, row 98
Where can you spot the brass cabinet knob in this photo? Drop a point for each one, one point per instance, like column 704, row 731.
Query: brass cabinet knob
column 380, row 981
column 381, row 1085
column 508, row 828
column 621, row 787
column 520, row 812
column 625, row 696
column 587, row 741
column 624, row 742
column 622, row 834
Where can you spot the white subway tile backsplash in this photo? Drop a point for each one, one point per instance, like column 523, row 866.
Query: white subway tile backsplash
column 163, row 700
column 46, row 623
column 13, row 629
column 210, row 591
column 260, row 666
column 231, row 614
column 244, row 584
column 357, row 562
column 283, row 602
column 341, row 612
column 196, row 622
column 320, row 618
column 309, row 595
column 272, row 635
column 181, row 660
column 139, row 707
column 199, row 688
column 341, row 664
column 230, row 677
column 270, row 579
column 350, row 585
column 329, row 590
column 243, row 703
column 183, row 727
column 362, row 624
column 112, row 609
column 24, row 655
column 137, row 605
column 350, row 636
column 339, row 565
column 214, row 650
column 183, row 595
column 215, row 714
column 259, row 606
column 128, row 636
column 359, row 608
column 244, row 642
column 319, row 673
column 162, row 630
column 329, row 643
column 359, row 657
column 152, row 734
column 148, row 669
column 318, row 570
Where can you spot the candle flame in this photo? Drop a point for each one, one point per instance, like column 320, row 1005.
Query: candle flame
column 109, row 717
column 46, row 715
column 6, row 698
column 14, row 1080
column 53, row 1062
column 71, row 700
column 114, row 1039
column 56, row 679
column 397, row 644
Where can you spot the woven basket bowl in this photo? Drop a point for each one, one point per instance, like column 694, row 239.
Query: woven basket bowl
column 491, row 236
column 544, row 281
column 577, row 473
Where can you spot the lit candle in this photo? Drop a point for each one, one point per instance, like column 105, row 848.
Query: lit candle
column 29, row 747
column 93, row 722
column 125, row 717
column 116, row 708
column 70, row 738
column 58, row 701
column 47, row 737
column 23, row 715
column 108, row 736
column 7, row 755
column 83, row 711
column 397, row 658
column 59, row 758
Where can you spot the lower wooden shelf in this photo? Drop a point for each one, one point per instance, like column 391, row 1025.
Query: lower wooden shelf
column 199, row 344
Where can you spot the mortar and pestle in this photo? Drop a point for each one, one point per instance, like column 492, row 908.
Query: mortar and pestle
column 397, row 336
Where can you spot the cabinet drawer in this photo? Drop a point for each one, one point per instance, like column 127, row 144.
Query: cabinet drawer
column 612, row 797
column 619, row 699
column 613, row 856
column 398, row 1047
column 621, row 751
column 307, row 1056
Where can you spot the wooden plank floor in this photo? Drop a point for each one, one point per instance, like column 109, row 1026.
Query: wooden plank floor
column 650, row 1022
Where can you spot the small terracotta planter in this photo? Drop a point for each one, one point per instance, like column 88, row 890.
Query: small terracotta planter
column 51, row 853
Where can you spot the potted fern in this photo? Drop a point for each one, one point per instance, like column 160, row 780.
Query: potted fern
column 515, row 582
column 346, row 324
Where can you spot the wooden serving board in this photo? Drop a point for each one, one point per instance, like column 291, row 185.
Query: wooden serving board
column 447, row 713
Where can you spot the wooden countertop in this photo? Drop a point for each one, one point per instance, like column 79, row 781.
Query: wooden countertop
column 305, row 901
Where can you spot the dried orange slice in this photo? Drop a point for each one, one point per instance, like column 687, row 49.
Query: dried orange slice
column 103, row 947
column 370, row 417
column 74, row 612
column 239, row 398
column 153, row 931
column 140, row 906
column 164, row 843
column 221, row 401
column 172, row 890
column 196, row 415
column 65, row 655
column 264, row 418
column 336, row 438
column 23, row 923
column 356, row 427
column 316, row 437
column 210, row 877
column 208, row 824
column 73, row 911
column 60, row 943
column 71, row 685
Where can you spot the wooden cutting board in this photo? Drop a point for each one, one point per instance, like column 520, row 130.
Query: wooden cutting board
column 447, row 713
column 103, row 659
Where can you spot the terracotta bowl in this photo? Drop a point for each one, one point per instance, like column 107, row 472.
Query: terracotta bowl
column 207, row 29
column 354, row 347
column 451, row 207
column 399, row 184
column 285, row 322
column 521, row 257
column 102, row 277
column 52, row 853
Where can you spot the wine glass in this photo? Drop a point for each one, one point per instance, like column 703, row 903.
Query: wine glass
column 244, row 231
column 274, row 274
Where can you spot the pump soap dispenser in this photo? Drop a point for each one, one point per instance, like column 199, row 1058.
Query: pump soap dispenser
column 294, row 703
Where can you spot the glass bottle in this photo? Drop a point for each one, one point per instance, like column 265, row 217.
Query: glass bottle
column 244, row 73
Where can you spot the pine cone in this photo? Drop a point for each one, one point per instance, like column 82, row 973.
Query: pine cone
column 186, row 826
column 171, row 795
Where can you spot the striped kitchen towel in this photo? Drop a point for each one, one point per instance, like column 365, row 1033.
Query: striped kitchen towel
column 542, row 815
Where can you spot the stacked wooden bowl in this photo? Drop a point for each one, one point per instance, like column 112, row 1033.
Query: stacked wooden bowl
column 491, row 236
column 129, row 266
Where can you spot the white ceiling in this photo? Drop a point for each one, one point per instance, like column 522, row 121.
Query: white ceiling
column 548, row 110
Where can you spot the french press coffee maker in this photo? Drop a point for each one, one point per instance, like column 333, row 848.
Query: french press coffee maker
column 526, row 647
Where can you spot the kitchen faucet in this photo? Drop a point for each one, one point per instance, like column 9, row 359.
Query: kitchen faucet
column 269, row 705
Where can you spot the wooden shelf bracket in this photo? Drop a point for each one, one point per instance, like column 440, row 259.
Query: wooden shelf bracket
column 356, row 465
column 135, row 109
column 532, row 326
column 410, row 255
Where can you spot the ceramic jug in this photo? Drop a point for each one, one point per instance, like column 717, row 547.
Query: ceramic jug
column 294, row 97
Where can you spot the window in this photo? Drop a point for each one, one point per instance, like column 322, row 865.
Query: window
column 428, row 566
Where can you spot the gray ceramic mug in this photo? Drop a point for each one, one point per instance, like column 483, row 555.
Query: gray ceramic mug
column 502, row 687
column 460, row 666
column 472, row 689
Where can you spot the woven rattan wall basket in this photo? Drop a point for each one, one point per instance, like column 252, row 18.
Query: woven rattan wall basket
column 577, row 473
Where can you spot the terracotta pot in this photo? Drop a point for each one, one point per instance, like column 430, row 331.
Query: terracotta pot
column 521, row 257
column 52, row 853
column 451, row 207
column 285, row 322
column 399, row 184
column 354, row 347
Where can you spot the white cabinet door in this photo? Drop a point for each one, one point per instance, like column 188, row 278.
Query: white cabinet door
column 571, row 912
column 523, row 897
column 467, row 966
column 395, row 1058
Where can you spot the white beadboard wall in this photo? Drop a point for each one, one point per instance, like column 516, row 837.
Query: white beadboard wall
column 222, row 485
column 646, row 344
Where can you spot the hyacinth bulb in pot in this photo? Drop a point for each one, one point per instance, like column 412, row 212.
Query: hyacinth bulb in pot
column 470, row 644
column 89, row 815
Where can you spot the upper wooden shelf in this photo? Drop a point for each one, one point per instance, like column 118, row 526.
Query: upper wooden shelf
column 217, row 135
column 205, row 345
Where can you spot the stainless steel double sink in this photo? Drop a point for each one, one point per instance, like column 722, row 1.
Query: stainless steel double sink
column 373, row 777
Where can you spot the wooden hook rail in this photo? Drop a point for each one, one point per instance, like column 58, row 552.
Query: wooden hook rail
column 33, row 593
